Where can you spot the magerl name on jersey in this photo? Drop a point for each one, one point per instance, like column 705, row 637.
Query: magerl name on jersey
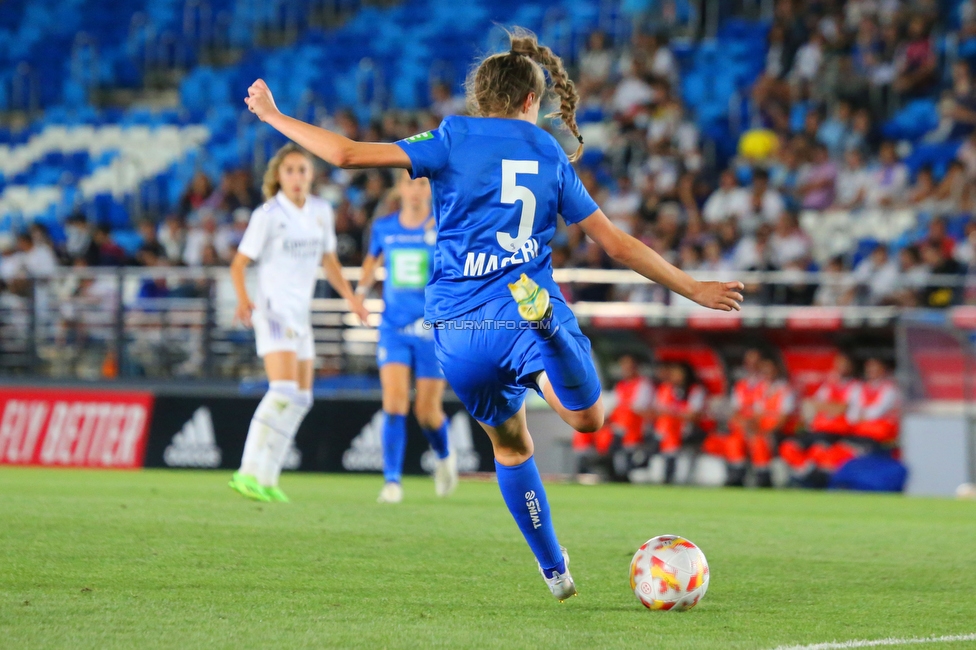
column 482, row 263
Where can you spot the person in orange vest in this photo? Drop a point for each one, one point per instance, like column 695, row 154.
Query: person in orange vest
column 624, row 427
column 746, row 393
column 835, row 408
column 879, row 406
column 678, row 407
column 774, row 420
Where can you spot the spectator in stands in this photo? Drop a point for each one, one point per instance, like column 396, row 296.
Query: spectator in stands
column 834, row 284
column 229, row 235
column 834, row 409
column 198, row 237
column 624, row 427
column 938, row 235
column 817, row 180
column 30, row 261
column 106, row 252
column 622, row 205
column 789, row 244
column 150, row 242
column 962, row 102
column 912, row 278
column 833, row 133
column 964, row 251
column 444, row 102
column 596, row 63
column 155, row 285
column 761, row 203
column 889, row 181
column 237, row 191
column 632, row 92
column 953, row 195
column 809, row 59
column 875, row 279
column 172, row 237
column 853, row 182
column 943, row 290
column 78, row 237
column 921, row 195
column 199, row 191
column 967, row 156
column 679, row 405
column 726, row 201
column 915, row 68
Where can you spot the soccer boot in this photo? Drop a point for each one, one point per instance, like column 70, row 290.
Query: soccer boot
column 274, row 493
column 446, row 475
column 391, row 493
column 533, row 300
column 248, row 486
column 561, row 585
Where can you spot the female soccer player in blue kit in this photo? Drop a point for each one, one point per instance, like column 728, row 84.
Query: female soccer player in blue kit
column 404, row 243
column 501, row 325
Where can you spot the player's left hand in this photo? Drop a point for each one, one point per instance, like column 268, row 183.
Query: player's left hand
column 260, row 101
column 357, row 307
column 723, row 296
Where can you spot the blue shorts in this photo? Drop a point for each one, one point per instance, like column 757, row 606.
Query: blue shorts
column 490, row 369
column 415, row 352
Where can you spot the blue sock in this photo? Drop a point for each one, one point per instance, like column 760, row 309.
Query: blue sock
column 568, row 365
column 438, row 439
column 525, row 497
column 394, row 444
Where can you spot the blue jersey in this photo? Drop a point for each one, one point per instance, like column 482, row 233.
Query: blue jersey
column 497, row 185
column 408, row 255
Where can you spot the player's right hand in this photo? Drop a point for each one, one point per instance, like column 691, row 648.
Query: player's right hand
column 260, row 101
column 242, row 314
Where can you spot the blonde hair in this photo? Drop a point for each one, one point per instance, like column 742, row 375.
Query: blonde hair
column 270, row 184
column 501, row 82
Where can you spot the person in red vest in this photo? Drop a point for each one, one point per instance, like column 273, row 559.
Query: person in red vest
column 679, row 404
column 633, row 396
column 746, row 393
column 879, row 407
column 835, row 408
column 774, row 421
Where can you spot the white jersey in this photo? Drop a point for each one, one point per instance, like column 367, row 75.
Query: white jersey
column 288, row 243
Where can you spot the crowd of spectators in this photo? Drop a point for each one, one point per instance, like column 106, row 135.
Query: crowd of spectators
column 834, row 72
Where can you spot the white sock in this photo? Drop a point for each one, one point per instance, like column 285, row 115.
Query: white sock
column 267, row 419
column 279, row 443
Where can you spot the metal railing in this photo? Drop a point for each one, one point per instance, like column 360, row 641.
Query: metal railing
column 167, row 323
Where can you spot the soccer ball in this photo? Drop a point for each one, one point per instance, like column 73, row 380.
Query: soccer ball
column 670, row 573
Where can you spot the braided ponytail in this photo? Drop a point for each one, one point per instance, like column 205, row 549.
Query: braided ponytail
column 501, row 82
column 525, row 42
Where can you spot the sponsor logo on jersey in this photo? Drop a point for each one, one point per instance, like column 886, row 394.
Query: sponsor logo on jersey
column 195, row 444
column 420, row 137
column 476, row 264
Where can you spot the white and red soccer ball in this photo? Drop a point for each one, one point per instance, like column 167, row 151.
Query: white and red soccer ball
column 669, row 573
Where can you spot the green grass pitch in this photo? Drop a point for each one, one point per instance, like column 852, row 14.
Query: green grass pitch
column 175, row 559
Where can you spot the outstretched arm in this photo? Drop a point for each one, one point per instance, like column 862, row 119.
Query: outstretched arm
column 331, row 147
column 723, row 296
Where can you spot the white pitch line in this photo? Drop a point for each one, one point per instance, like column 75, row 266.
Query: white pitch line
column 880, row 642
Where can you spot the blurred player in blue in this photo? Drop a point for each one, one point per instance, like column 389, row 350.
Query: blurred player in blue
column 403, row 243
column 500, row 323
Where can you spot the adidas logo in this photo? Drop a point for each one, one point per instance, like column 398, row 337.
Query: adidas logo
column 194, row 445
column 459, row 436
column 366, row 452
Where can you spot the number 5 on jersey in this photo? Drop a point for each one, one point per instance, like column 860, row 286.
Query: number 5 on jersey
column 512, row 192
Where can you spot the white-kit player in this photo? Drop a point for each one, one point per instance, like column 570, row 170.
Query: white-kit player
column 289, row 236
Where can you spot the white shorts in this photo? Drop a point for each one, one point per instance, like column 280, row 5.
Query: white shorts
column 272, row 336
